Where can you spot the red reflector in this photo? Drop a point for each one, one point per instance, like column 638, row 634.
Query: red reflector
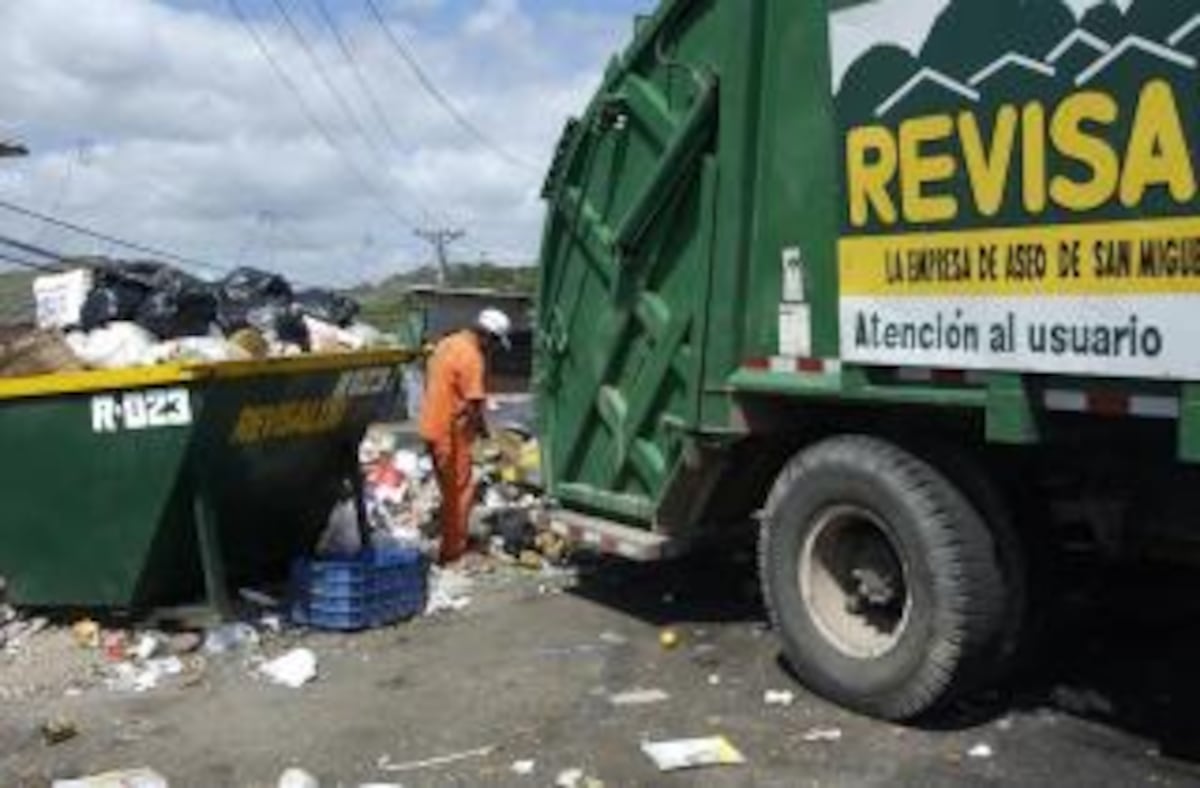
column 955, row 377
column 760, row 364
column 1108, row 403
column 810, row 365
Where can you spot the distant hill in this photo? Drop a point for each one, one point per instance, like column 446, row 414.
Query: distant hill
column 386, row 303
column 16, row 297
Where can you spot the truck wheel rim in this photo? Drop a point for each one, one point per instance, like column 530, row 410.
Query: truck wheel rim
column 853, row 582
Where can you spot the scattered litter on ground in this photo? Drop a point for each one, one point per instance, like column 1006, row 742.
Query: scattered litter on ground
column 17, row 632
column 272, row 624
column 822, row 735
column 981, row 752
column 574, row 778
column 128, row 778
column 294, row 669
column 57, row 731
column 714, row 680
column 613, row 639
column 143, row 677
column 670, row 756
column 668, row 639
column 523, row 768
column 449, row 591
column 298, row 778
column 86, row 633
column 230, row 637
column 385, row 763
column 639, row 697
column 115, row 646
column 779, row 697
column 1005, row 724
column 146, row 646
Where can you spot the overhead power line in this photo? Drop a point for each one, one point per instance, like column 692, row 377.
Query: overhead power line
column 360, row 75
column 29, row 248
column 314, row 121
column 347, row 109
column 133, row 246
column 430, row 86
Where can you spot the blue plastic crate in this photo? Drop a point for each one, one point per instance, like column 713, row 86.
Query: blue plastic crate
column 377, row 588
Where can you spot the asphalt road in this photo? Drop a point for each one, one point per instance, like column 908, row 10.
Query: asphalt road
column 529, row 674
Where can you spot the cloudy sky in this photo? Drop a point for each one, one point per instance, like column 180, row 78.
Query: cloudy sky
column 163, row 122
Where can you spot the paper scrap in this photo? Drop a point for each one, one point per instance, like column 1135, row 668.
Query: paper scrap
column 670, row 756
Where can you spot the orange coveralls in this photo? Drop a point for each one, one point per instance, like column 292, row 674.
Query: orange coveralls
column 454, row 380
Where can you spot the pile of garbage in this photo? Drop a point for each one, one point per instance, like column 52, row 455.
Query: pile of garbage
column 400, row 489
column 121, row 315
column 402, row 497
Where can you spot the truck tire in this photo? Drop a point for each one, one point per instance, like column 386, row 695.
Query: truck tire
column 882, row 579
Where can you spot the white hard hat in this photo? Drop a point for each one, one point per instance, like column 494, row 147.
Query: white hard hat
column 498, row 324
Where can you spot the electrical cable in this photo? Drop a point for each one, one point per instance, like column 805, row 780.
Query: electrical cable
column 426, row 81
column 88, row 232
column 291, row 86
column 360, row 74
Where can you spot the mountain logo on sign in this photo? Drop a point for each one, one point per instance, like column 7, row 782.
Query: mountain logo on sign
column 1107, row 56
column 1019, row 112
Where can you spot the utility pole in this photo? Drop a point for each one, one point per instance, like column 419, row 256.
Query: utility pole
column 440, row 238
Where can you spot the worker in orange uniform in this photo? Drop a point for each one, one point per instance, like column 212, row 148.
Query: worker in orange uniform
column 452, row 417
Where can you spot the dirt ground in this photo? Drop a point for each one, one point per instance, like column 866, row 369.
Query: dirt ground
column 527, row 670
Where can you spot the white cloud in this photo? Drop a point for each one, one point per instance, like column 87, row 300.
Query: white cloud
column 193, row 144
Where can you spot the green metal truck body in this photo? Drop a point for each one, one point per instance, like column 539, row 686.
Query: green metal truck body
column 958, row 227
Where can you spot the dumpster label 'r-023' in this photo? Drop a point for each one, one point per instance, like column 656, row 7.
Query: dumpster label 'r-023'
column 135, row 411
column 1020, row 184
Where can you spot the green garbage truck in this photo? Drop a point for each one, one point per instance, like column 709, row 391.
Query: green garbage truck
column 913, row 285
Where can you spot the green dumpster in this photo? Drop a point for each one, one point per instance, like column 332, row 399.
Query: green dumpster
column 152, row 486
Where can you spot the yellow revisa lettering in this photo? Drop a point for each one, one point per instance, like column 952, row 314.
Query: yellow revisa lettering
column 1072, row 140
column 918, row 170
column 1158, row 152
column 871, row 165
column 988, row 170
column 1033, row 135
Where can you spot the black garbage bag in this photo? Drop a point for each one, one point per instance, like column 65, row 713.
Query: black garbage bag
column 285, row 322
column 247, row 289
column 179, row 305
column 110, row 302
column 328, row 306
column 118, row 293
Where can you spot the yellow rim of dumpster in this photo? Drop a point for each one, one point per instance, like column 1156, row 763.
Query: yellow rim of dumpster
column 173, row 374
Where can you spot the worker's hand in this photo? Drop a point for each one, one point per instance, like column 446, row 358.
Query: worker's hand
column 480, row 421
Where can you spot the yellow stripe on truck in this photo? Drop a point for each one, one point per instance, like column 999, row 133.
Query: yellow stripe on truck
column 1110, row 259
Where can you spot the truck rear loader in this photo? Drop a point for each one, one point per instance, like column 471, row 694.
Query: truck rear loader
column 914, row 285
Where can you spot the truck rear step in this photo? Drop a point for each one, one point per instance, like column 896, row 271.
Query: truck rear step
column 611, row 538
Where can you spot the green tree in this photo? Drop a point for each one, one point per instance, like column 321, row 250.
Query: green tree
column 1106, row 21
column 969, row 35
column 873, row 77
